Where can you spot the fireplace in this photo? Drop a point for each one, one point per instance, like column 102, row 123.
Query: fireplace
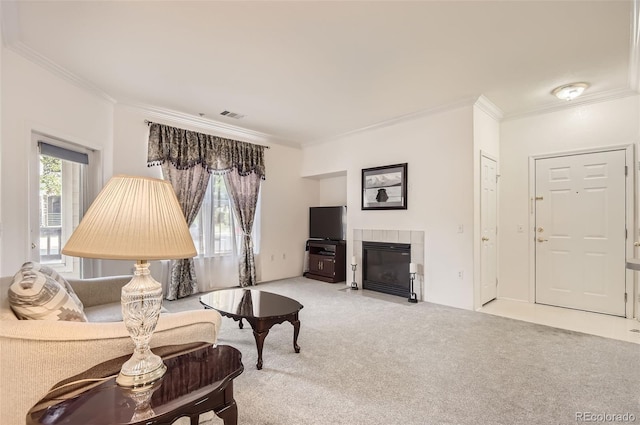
column 385, row 267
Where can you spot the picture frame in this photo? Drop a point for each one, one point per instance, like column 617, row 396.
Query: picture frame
column 384, row 188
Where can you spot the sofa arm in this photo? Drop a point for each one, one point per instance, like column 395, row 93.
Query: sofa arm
column 35, row 354
column 202, row 325
column 99, row 290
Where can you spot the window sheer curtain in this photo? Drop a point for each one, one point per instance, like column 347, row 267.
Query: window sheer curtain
column 180, row 150
column 218, row 238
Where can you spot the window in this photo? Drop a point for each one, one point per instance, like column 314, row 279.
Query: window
column 61, row 195
column 215, row 230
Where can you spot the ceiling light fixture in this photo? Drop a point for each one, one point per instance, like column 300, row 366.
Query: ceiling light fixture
column 569, row 91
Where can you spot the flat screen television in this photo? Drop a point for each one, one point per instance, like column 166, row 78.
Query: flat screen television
column 328, row 223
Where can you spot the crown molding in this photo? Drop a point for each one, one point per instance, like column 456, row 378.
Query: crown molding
column 484, row 104
column 470, row 101
column 489, row 108
column 583, row 100
column 9, row 23
column 157, row 112
column 207, row 124
column 39, row 59
column 9, row 20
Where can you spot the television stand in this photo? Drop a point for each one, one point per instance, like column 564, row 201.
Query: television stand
column 327, row 260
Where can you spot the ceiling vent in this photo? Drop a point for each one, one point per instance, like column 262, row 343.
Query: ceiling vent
column 231, row 115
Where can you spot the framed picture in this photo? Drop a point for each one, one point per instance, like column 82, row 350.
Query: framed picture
column 385, row 188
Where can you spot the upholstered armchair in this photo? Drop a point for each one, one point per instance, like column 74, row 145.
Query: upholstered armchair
column 36, row 354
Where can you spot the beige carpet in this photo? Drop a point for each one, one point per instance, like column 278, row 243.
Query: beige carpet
column 368, row 358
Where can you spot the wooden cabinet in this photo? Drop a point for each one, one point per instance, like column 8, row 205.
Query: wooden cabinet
column 327, row 260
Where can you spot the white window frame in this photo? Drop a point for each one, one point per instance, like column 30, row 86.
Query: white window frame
column 207, row 245
column 93, row 181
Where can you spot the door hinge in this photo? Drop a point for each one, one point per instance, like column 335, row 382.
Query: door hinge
column 496, row 281
column 625, row 297
column 626, row 170
column 626, row 233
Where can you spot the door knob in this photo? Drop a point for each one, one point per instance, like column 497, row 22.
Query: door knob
column 484, row 239
column 33, row 245
column 540, row 229
column 636, row 244
column 542, row 240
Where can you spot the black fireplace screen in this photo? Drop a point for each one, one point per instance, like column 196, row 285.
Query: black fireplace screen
column 386, row 267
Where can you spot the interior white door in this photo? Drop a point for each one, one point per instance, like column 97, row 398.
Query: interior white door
column 580, row 231
column 488, row 219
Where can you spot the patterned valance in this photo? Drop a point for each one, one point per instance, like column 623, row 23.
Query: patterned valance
column 186, row 149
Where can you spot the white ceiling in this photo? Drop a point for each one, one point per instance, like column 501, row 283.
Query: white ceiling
column 306, row 71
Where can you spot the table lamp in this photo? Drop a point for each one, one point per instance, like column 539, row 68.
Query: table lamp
column 135, row 218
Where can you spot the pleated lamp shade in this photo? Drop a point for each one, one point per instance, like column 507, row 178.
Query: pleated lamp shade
column 133, row 218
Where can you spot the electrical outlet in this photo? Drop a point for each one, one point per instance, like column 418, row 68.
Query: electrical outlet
column 460, row 274
column 273, row 257
column 460, row 228
column 520, row 228
column 284, row 256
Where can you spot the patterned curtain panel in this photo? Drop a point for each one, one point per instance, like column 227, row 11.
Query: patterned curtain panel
column 190, row 186
column 187, row 159
column 243, row 191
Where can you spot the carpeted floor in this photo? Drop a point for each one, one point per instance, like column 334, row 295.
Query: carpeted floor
column 375, row 359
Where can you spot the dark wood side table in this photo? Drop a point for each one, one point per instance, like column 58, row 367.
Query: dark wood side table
column 261, row 309
column 199, row 378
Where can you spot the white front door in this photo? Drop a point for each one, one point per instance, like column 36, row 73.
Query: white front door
column 580, row 231
column 488, row 219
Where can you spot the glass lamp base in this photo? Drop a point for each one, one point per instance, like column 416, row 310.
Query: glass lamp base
column 141, row 304
column 143, row 379
column 141, row 396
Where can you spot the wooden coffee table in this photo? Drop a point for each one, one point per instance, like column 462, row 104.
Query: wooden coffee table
column 199, row 378
column 261, row 309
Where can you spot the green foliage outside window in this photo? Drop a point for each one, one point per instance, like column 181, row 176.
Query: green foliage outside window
column 50, row 176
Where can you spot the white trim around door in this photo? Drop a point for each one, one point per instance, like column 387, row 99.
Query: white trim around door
column 629, row 216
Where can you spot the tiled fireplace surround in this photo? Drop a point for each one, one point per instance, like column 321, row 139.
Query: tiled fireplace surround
column 413, row 237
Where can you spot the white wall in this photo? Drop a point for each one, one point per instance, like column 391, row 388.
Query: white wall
column 332, row 191
column 130, row 135
column 486, row 140
column 439, row 151
column 286, row 196
column 597, row 125
column 33, row 99
column 486, row 134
